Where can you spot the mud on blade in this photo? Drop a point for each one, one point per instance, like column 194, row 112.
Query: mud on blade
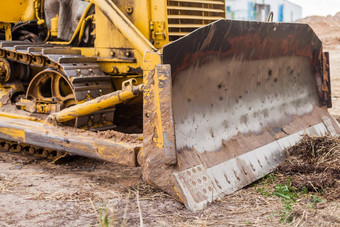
column 239, row 93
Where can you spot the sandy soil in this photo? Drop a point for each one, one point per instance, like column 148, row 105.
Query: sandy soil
column 36, row 193
column 81, row 192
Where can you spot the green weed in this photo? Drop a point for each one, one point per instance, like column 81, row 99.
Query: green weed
column 288, row 197
column 313, row 201
column 261, row 185
column 248, row 223
column 304, row 190
column 105, row 215
column 106, row 218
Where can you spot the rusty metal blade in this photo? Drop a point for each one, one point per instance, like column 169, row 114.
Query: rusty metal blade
column 241, row 93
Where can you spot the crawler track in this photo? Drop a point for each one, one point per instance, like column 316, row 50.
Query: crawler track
column 56, row 65
column 82, row 73
column 39, row 152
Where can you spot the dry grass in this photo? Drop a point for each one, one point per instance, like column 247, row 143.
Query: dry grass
column 315, row 150
column 314, row 164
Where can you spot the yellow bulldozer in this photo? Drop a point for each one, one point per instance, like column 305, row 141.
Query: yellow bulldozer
column 203, row 104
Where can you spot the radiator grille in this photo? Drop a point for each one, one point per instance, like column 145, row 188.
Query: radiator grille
column 184, row 16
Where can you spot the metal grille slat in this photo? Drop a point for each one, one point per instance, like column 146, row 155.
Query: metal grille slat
column 178, row 33
column 199, row 1
column 193, row 17
column 184, row 16
column 195, row 9
column 194, row 26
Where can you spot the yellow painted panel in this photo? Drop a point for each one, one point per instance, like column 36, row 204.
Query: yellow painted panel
column 15, row 134
column 14, row 10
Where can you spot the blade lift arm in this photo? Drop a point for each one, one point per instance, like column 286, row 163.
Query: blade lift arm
column 128, row 92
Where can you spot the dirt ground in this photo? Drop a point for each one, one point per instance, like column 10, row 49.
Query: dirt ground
column 84, row 192
column 37, row 193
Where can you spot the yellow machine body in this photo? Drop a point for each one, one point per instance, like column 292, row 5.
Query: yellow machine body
column 205, row 105
column 17, row 11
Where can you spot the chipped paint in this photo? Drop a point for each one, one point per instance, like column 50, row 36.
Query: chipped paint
column 14, row 134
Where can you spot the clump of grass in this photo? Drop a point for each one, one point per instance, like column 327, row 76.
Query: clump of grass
column 324, row 150
column 262, row 185
column 313, row 165
column 313, row 201
column 105, row 215
column 288, row 194
column 106, row 218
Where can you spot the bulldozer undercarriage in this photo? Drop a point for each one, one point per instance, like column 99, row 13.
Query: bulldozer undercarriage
column 65, row 79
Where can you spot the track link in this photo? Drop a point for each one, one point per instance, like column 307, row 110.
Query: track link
column 83, row 73
column 26, row 149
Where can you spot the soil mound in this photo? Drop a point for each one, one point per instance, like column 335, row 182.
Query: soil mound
column 327, row 28
column 314, row 164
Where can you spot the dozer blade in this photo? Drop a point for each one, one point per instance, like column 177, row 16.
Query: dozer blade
column 225, row 102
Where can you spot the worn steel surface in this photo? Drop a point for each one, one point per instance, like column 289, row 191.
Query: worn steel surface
column 241, row 77
column 74, row 142
column 241, row 93
column 202, row 185
column 158, row 130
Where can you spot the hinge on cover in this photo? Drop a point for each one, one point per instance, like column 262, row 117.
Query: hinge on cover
column 158, row 32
